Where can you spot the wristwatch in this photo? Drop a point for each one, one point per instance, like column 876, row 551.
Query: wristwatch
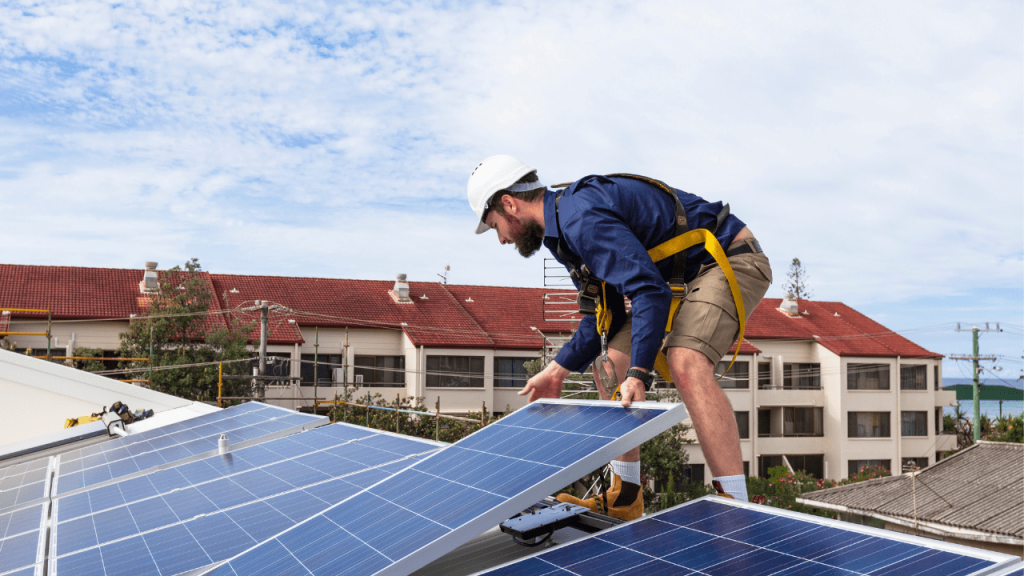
column 646, row 377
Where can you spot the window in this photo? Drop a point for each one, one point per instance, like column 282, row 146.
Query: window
column 813, row 464
column 764, row 375
column 856, row 466
column 801, row 376
column 911, row 464
column 914, row 423
column 324, row 370
column 737, row 377
column 802, row 421
column 764, row 423
column 510, row 372
column 743, row 423
column 455, row 371
column 867, row 376
column 935, row 373
column 914, row 377
column 381, row 371
column 766, row 463
column 694, row 473
column 868, row 424
column 746, row 469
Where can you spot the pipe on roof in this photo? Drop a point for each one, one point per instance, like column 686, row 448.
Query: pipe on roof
column 922, row 525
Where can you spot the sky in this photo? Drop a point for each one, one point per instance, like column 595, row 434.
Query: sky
column 880, row 143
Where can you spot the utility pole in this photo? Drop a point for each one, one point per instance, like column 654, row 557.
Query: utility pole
column 264, row 319
column 316, row 366
column 975, row 358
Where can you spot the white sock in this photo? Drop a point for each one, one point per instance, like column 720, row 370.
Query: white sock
column 735, row 486
column 628, row 471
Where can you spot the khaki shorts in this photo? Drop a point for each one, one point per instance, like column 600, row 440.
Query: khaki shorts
column 706, row 320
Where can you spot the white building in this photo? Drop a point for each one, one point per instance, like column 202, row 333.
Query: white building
column 817, row 386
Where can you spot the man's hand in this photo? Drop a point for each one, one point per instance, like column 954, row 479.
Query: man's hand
column 632, row 390
column 547, row 383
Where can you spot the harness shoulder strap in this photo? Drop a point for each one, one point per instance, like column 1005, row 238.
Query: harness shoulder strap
column 678, row 279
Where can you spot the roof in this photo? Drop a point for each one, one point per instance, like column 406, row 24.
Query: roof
column 835, row 326
column 437, row 315
column 977, row 493
column 48, row 393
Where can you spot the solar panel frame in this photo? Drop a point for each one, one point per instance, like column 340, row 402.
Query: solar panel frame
column 662, row 417
column 276, row 499
column 815, row 528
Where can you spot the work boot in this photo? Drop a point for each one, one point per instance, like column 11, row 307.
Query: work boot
column 720, row 491
column 624, row 500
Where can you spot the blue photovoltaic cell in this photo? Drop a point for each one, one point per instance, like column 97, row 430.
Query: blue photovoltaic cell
column 19, row 551
column 206, row 511
column 713, row 538
column 23, row 483
column 93, row 469
column 404, row 518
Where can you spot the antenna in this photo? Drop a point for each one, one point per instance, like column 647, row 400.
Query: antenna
column 444, row 277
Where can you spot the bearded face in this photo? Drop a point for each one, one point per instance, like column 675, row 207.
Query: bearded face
column 528, row 237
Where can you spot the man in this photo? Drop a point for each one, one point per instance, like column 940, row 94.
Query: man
column 601, row 228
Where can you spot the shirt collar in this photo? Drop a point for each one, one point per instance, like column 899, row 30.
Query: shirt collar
column 550, row 216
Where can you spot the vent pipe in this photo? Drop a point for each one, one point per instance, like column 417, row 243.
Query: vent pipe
column 401, row 290
column 222, row 445
column 149, row 283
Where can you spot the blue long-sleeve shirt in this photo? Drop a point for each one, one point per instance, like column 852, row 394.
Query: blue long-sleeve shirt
column 610, row 224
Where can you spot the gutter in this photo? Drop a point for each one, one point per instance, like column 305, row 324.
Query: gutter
column 924, row 526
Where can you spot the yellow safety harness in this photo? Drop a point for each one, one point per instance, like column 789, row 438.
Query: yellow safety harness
column 668, row 248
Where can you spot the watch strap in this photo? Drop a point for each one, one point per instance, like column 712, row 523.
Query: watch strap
column 646, row 377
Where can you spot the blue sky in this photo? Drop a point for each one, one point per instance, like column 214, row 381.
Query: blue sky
column 881, row 143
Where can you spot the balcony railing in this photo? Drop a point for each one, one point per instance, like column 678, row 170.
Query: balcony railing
column 805, row 387
column 793, row 435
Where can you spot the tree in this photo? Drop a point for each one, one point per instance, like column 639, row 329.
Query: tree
column 797, row 285
column 180, row 330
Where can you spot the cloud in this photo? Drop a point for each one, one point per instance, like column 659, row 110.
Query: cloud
column 879, row 143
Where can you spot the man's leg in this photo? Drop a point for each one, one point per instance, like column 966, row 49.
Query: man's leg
column 710, row 410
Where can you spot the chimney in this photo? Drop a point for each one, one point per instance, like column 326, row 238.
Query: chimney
column 401, row 290
column 789, row 306
column 149, row 283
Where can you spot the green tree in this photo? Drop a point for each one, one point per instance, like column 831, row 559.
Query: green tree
column 797, row 284
column 180, row 330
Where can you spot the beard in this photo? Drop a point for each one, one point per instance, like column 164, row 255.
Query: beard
column 527, row 237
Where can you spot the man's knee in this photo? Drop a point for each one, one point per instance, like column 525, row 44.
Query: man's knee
column 689, row 367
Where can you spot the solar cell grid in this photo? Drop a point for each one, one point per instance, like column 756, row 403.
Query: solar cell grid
column 20, row 535
column 236, row 500
column 423, row 512
column 102, row 468
column 714, row 537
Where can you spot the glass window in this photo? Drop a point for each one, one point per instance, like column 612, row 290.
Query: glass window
column 737, row 377
column 327, row 363
column 764, row 375
column 868, row 424
column 938, row 382
column 694, row 473
column 510, row 372
column 743, row 423
column 764, row 423
column 912, row 464
column 802, row 421
column 813, row 464
column 455, row 371
column 380, row 371
column 855, row 466
column 914, row 423
column 867, row 376
column 801, row 376
column 766, row 463
column 914, row 377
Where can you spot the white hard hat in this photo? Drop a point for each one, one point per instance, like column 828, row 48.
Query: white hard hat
column 493, row 174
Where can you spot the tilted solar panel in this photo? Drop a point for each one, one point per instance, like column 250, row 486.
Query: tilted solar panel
column 27, row 487
column 22, row 539
column 716, row 536
column 256, row 425
column 203, row 512
column 427, row 510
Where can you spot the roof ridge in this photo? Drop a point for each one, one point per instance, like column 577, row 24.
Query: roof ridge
column 466, row 313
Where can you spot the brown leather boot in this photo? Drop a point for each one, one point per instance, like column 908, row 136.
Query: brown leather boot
column 624, row 501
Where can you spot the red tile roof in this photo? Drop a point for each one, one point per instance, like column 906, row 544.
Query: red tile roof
column 438, row 316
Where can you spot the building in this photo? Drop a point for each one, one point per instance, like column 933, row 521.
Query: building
column 817, row 385
column 975, row 498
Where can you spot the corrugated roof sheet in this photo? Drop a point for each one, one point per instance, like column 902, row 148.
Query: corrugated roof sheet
column 980, row 488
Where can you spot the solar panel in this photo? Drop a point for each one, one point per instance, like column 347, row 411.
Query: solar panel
column 717, row 536
column 203, row 512
column 409, row 519
column 256, row 425
column 22, row 539
column 25, row 484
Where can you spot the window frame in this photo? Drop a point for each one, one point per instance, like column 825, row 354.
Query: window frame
column 441, row 374
column 918, row 416
column 884, row 425
column 513, row 378
column 397, row 371
column 919, row 381
column 808, row 376
column 856, row 372
column 737, row 378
